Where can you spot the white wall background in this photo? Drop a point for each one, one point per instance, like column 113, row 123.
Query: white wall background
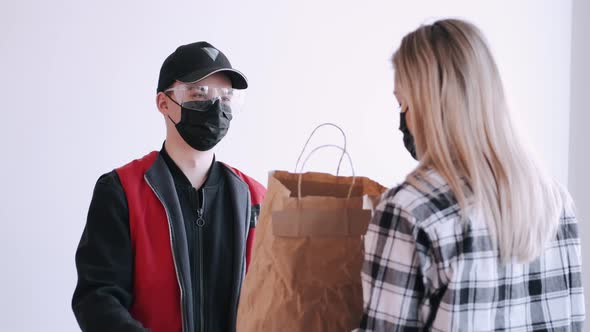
column 78, row 86
column 579, row 163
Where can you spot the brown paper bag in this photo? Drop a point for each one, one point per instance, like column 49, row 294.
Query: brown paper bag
column 307, row 256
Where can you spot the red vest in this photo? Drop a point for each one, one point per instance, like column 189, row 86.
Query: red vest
column 156, row 291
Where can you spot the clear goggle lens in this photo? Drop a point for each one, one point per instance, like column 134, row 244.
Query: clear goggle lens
column 191, row 96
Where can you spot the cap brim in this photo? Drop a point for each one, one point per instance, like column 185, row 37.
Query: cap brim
column 238, row 80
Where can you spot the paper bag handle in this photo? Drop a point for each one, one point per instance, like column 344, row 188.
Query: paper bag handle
column 309, row 139
column 344, row 152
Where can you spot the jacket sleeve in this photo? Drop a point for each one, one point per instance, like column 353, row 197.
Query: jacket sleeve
column 251, row 233
column 104, row 261
column 257, row 193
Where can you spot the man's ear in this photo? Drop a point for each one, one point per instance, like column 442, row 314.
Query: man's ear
column 162, row 103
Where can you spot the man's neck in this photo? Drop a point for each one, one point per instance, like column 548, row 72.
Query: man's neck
column 194, row 164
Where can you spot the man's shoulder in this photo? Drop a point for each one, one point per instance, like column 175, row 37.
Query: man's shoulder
column 143, row 162
column 248, row 179
column 257, row 190
column 109, row 179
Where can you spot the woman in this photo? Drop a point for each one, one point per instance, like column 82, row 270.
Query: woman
column 477, row 237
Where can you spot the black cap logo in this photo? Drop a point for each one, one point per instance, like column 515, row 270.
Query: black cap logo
column 211, row 52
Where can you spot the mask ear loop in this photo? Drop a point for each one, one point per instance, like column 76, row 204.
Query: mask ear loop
column 174, row 101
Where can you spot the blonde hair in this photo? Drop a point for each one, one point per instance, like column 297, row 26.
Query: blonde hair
column 463, row 130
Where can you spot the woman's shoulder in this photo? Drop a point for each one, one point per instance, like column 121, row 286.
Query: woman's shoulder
column 421, row 197
column 567, row 218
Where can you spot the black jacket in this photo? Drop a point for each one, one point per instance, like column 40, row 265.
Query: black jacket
column 104, row 257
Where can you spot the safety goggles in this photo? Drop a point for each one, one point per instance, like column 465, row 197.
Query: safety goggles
column 192, row 96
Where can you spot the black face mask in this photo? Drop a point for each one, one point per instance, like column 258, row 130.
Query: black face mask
column 204, row 124
column 408, row 138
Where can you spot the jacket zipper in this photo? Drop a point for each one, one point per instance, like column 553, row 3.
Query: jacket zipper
column 182, row 308
column 200, row 223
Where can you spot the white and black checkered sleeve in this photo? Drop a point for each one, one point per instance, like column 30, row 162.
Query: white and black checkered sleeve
column 393, row 285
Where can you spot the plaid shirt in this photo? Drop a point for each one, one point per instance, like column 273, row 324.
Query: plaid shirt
column 426, row 270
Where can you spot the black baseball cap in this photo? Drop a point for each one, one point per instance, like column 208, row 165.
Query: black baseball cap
column 196, row 61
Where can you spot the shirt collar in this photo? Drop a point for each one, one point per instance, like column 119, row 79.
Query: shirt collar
column 180, row 179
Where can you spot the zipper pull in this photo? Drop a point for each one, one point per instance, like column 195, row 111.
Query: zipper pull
column 200, row 221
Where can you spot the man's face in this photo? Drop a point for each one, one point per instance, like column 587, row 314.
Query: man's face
column 171, row 109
